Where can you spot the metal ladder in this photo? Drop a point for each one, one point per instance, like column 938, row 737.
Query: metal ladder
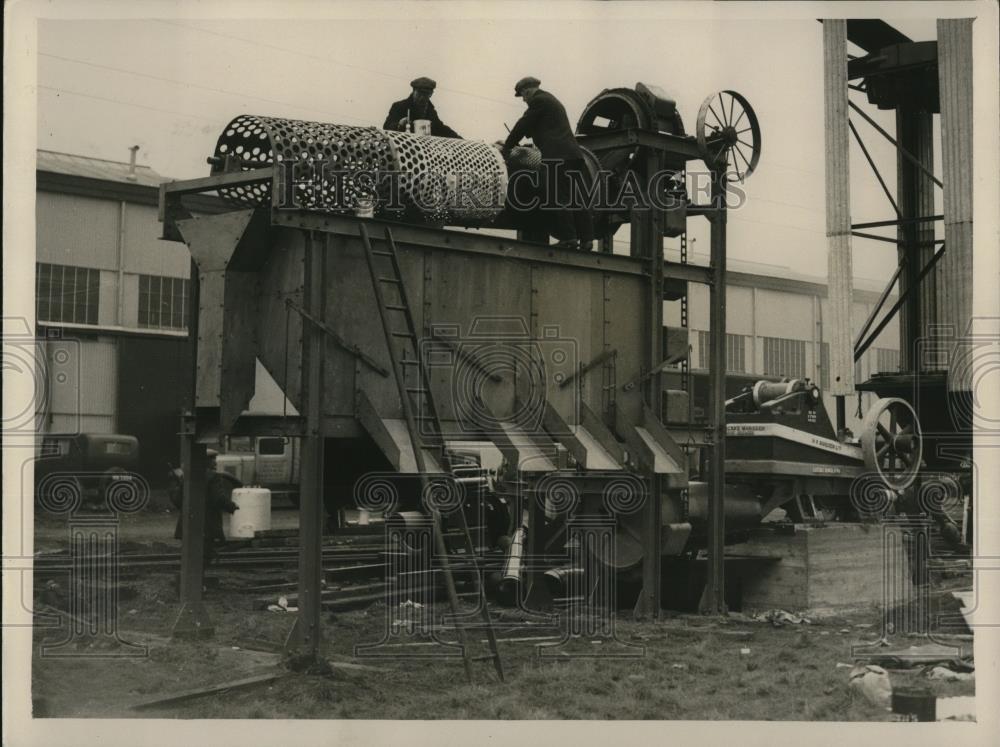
column 418, row 407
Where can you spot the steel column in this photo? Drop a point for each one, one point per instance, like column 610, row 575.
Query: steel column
column 308, row 631
column 192, row 619
column 958, row 166
column 838, row 210
column 647, row 241
column 713, row 600
column 915, row 194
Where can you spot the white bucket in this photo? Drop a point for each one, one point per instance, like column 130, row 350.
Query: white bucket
column 421, row 127
column 254, row 512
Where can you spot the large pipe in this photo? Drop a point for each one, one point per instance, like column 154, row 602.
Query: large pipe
column 510, row 582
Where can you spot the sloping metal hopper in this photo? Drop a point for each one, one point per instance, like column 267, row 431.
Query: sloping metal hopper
column 592, row 445
column 393, row 439
column 654, row 447
column 531, row 452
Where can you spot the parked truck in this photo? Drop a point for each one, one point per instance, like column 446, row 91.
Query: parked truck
column 268, row 461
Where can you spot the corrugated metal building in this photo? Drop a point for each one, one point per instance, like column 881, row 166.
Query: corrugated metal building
column 110, row 303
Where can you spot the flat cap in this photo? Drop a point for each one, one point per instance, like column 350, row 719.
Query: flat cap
column 529, row 82
column 424, row 84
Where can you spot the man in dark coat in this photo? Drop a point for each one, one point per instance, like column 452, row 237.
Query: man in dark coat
column 547, row 125
column 417, row 105
column 219, row 488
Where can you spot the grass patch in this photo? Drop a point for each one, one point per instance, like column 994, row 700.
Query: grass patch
column 691, row 669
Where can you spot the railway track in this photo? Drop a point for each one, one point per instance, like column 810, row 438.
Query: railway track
column 54, row 564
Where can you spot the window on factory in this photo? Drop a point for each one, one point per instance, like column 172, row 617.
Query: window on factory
column 783, row 357
column 64, row 293
column 163, row 302
column 886, row 360
column 736, row 352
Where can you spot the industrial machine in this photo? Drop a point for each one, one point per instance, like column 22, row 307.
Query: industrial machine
column 340, row 268
column 783, row 446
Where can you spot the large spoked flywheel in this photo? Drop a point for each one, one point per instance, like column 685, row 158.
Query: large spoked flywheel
column 891, row 442
column 728, row 133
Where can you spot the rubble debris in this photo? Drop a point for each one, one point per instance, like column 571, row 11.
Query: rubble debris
column 948, row 675
column 779, row 618
column 410, row 617
column 872, row 682
column 917, row 655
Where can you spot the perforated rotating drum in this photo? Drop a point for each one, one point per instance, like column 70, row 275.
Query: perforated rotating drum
column 339, row 167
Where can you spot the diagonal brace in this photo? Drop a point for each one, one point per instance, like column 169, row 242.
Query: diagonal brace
column 859, row 350
column 903, row 151
column 349, row 347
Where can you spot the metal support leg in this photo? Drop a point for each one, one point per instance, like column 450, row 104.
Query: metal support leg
column 192, row 620
column 536, row 595
column 647, row 239
column 713, row 600
column 307, row 634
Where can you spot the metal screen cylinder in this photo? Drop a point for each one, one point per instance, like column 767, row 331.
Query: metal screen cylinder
column 339, row 169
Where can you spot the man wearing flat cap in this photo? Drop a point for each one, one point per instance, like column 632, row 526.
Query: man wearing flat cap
column 416, row 106
column 546, row 123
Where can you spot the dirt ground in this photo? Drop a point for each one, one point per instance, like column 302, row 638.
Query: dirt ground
column 683, row 667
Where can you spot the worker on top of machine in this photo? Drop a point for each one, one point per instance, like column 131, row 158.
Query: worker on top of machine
column 547, row 125
column 219, row 488
column 409, row 114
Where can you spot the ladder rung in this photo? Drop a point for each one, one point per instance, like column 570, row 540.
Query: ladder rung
column 382, row 254
column 414, row 390
column 409, row 335
column 389, row 280
column 394, row 307
column 485, row 657
column 407, row 362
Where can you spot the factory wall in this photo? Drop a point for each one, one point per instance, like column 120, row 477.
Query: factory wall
column 109, row 305
column 82, row 381
column 120, row 241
